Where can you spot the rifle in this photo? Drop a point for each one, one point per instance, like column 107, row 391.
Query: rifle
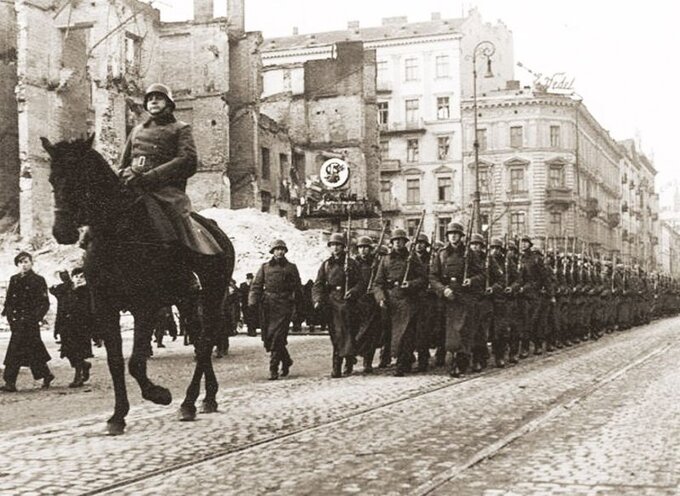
column 349, row 228
column 564, row 264
column 376, row 260
column 488, row 257
column 466, row 256
column 507, row 262
column 412, row 250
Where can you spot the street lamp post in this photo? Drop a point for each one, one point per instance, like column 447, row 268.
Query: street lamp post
column 484, row 49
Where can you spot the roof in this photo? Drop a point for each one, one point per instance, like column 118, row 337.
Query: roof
column 389, row 31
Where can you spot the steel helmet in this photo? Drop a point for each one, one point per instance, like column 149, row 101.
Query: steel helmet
column 364, row 241
column 279, row 243
column 455, row 227
column 399, row 233
column 477, row 238
column 422, row 238
column 337, row 239
column 163, row 90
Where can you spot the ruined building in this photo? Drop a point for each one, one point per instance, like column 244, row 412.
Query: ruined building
column 70, row 67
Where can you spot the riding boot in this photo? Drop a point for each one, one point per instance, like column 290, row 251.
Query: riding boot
column 368, row 362
column 349, row 365
column 286, row 363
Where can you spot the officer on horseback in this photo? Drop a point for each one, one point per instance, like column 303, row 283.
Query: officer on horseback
column 159, row 157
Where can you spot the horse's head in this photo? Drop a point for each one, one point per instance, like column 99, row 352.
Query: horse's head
column 74, row 179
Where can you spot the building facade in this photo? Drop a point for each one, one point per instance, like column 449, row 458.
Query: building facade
column 422, row 70
column 547, row 169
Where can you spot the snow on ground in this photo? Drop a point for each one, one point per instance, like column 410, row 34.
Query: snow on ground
column 252, row 232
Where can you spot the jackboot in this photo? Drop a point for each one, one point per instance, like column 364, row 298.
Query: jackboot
column 336, row 373
column 274, row 367
column 423, row 361
column 349, row 365
column 368, row 363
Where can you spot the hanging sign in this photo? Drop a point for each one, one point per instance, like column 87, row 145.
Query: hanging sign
column 334, row 173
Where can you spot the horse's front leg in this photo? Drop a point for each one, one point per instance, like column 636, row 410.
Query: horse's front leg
column 108, row 324
column 141, row 347
column 191, row 310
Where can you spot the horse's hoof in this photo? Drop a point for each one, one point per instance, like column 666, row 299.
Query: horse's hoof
column 115, row 428
column 187, row 413
column 158, row 395
column 209, row 407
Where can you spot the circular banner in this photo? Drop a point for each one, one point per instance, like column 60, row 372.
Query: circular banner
column 334, row 173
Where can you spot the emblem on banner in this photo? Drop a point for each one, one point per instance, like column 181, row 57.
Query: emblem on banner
column 334, row 173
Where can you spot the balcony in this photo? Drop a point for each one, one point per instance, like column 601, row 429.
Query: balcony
column 383, row 86
column 592, row 207
column 561, row 197
column 390, row 165
column 391, row 206
column 416, row 126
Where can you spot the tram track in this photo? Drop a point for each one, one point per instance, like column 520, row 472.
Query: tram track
column 560, row 406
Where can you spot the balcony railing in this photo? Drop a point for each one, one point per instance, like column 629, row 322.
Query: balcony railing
column 390, row 165
column 392, row 205
column 383, row 86
column 417, row 125
column 558, row 196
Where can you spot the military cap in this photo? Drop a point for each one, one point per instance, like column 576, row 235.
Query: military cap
column 399, row 233
column 455, row 227
column 21, row 255
column 279, row 243
column 163, row 90
column 477, row 238
column 364, row 241
column 496, row 243
column 337, row 239
column 422, row 238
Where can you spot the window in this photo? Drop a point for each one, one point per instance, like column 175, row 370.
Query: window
column 383, row 113
column 554, row 136
column 481, row 139
column 518, row 223
column 385, row 192
column 266, row 166
column 556, row 223
column 556, row 176
column 411, row 72
column 413, row 191
column 412, row 150
column 442, row 223
column 382, row 69
column 133, row 52
column 441, row 63
column 443, row 144
column 517, row 180
column 444, row 189
column 412, row 107
column 516, row 137
column 484, row 186
column 384, row 149
column 443, row 108
column 484, row 221
column 283, row 165
column 412, row 226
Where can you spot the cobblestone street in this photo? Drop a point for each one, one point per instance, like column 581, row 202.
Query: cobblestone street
column 599, row 418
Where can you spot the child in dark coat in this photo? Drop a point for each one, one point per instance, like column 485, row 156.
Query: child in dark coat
column 76, row 336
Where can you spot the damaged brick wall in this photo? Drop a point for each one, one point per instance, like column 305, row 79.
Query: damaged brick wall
column 9, row 125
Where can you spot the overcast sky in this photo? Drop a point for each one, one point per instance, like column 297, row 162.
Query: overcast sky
column 623, row 54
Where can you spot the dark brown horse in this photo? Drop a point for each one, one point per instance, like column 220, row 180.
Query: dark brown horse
column 129, row 268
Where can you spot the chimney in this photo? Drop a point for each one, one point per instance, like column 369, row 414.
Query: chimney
column 513, row 84
column 203, row 10
column 436, row 16
column 236, row 12
column 394, row 21
column 296, row 31
column 353, row 25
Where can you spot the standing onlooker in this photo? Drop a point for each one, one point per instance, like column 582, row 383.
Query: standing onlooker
column 76, row 343
column 249, row 314
column 60, row 291
column 26, row 304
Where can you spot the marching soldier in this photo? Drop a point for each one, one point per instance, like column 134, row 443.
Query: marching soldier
column 277, row 290
column 514, row 309
column 451, row 281
column 439, row 325
column 398, row 291
column 480, row 351
column 495, row 323
column 428, row 309
column 337, row 287
column 531, row 282
column 369, row 324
